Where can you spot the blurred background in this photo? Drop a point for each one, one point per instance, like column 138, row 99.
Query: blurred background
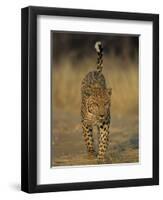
column 73, row 56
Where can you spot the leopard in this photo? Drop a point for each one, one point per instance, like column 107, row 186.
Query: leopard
column 95, row 108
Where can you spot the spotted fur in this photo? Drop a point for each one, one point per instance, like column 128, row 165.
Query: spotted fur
column 95, row 107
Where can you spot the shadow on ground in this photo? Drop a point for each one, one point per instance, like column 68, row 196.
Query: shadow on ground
column 68, row 146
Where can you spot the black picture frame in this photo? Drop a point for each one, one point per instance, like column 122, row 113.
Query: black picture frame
column 29, row 98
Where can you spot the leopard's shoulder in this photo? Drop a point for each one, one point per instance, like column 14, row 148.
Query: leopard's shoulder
column 93, row 80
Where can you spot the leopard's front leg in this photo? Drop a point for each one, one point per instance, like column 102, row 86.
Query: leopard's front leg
column 88, row 137
column 103, row 139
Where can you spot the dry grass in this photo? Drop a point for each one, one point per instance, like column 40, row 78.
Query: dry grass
column 122, row 78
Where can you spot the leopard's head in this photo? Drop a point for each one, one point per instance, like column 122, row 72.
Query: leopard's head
column 98, row 104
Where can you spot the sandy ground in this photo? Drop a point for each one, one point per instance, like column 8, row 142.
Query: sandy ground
column 68, row 147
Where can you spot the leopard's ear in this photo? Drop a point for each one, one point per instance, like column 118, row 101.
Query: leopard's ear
column 110, row 91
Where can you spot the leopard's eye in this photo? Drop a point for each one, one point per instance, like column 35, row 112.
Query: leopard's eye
column 107, row 105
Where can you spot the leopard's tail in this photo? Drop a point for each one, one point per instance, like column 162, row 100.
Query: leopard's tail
column 99, row 50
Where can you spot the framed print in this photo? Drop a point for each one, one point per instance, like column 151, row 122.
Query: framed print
column 90, row 99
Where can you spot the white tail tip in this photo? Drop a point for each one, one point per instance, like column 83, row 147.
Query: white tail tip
column 98, row 44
